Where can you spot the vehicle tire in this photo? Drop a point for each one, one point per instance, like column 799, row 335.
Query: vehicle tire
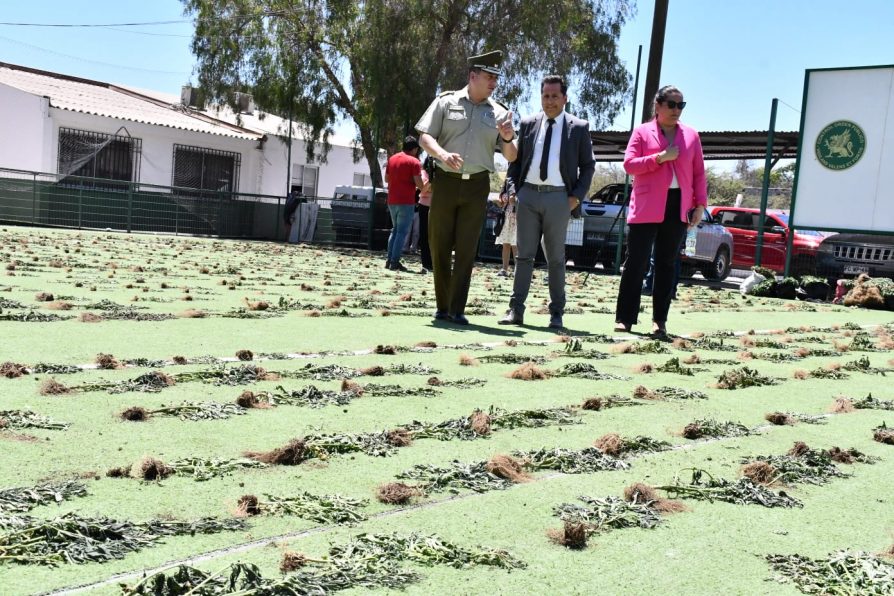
column 719, row 268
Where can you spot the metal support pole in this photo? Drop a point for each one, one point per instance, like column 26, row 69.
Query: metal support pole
column 623, row 218
column 280, row 204
column 80, row 205
column 129, row 207
column 656, row 52
column 768, row 165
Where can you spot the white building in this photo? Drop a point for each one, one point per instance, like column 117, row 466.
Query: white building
column 64, row 125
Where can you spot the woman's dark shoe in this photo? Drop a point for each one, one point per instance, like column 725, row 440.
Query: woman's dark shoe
column 622, row 328
column 659, row 331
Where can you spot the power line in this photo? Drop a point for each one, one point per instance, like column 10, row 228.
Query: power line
column 148, row 23
column 134, row 68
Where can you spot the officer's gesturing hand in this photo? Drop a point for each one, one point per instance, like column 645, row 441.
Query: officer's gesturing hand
column 452, row 160
column 505, row 128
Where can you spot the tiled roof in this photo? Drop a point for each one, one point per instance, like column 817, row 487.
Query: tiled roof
column 104, row 99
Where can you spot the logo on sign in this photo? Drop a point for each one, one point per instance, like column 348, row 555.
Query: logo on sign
column 840, row 145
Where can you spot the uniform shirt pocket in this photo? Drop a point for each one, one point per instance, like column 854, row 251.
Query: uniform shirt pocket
column 456, row 113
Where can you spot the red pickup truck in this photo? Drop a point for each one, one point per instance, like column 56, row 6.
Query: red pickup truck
column 742, row 222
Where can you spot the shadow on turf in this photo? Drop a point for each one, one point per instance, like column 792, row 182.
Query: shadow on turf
column 485, row 329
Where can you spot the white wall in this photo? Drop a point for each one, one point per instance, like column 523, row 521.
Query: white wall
column 24, row 128
column 156, row 165
column 338, row 170
column 29, row 140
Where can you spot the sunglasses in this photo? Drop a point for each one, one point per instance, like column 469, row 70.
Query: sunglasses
column 675, row 104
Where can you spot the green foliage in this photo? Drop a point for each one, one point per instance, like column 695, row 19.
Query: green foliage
column 843, row 572
column 609, row 513
column 741, row 492
column 322, row 61
column 25, row 498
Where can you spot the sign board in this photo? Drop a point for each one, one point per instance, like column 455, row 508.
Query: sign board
column 845, row 168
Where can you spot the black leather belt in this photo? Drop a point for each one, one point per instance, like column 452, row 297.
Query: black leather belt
column 545, row 187
column 475, row 176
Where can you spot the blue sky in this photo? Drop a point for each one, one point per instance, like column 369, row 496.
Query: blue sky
column 729, row 57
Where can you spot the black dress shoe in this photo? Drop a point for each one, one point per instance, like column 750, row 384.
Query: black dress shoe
column 398, row 266
column 512, row 318
column 555, row 322
column 459, row 319
column 441, row 315
column 387, row 264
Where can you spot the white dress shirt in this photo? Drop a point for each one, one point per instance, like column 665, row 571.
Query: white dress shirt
column 553, row 175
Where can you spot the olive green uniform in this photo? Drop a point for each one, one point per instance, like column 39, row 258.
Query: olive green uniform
column 459, row 197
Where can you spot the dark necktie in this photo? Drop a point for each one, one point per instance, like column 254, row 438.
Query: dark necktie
column 544, row 159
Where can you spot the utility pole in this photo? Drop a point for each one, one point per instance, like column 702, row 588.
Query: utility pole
column 656, row 51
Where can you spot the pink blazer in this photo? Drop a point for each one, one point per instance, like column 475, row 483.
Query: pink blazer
column 652, row 179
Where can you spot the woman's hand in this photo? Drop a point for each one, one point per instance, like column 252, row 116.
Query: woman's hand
column 697, row 214
column 669, row 154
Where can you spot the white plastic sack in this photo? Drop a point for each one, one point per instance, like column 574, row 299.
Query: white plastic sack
column 751, row 281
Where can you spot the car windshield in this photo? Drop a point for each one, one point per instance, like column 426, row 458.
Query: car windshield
column 784, row 219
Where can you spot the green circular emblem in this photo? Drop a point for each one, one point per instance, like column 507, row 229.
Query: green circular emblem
column 840, row 145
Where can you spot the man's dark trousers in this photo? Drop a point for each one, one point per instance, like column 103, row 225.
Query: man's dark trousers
column 541, row 214
column 458, row 209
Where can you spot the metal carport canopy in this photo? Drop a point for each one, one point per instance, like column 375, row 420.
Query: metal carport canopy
column 610, row 145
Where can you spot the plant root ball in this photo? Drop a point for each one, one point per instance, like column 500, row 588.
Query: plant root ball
column 529, row 372
column 641, row 392
column 292, row 561
column 639, row 492
column 245, row 355
column 53, row 387
column 348, row 385
column 135, row 414
column 798, row 449
column 884, row 436
column 842, row 405
column 153, row 469
column 122, row 472
column 397, row 493
column 386, row 350
column 507, row 467
column 399, row 437
column 106, row 362
column 609, row 444
column 291, row 454
column 12, row 370
column 480, row 423
column 249, row 400
column 592, row 403
column 779, row 418
column 247, row 505
column 693, row 431
column 466, row 360
column 573, row 535
column 760, row 472
column 89, row 317
column 842, row 456
column 434, row 382
column 373, row 371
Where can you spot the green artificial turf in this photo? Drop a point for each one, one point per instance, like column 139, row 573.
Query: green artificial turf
column 714, row 547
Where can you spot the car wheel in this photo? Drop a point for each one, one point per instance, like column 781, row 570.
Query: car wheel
column 719, row 267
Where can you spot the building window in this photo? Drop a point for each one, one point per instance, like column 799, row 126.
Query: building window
column 361, row 179
column 98, row 155
column 304, row 179
column 206, row 169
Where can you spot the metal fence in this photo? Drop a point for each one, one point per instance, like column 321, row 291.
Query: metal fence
column 44, row 199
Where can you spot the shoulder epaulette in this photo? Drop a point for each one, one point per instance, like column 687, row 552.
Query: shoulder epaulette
column 446, row 93
column 499, row 103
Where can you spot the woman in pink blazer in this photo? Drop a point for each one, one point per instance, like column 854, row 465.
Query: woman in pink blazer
column 669, row 192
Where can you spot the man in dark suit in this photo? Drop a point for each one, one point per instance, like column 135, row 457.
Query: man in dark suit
column 549, row 178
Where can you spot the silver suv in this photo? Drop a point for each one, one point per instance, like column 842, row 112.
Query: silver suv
column 714, row 244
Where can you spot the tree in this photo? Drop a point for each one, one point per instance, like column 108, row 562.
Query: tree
column 381, row 62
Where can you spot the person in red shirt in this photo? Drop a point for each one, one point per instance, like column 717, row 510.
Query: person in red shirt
column 403, row 174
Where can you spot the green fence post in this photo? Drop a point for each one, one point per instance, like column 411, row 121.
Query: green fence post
column 34, row 199
column 765, row 184
column 80, row 205
column 129, row 207
column 372, row 214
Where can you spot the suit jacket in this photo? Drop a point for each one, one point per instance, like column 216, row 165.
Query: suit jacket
column 652, row 179
column 576, row 162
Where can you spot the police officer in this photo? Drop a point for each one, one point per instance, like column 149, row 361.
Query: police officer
column 461, row 129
